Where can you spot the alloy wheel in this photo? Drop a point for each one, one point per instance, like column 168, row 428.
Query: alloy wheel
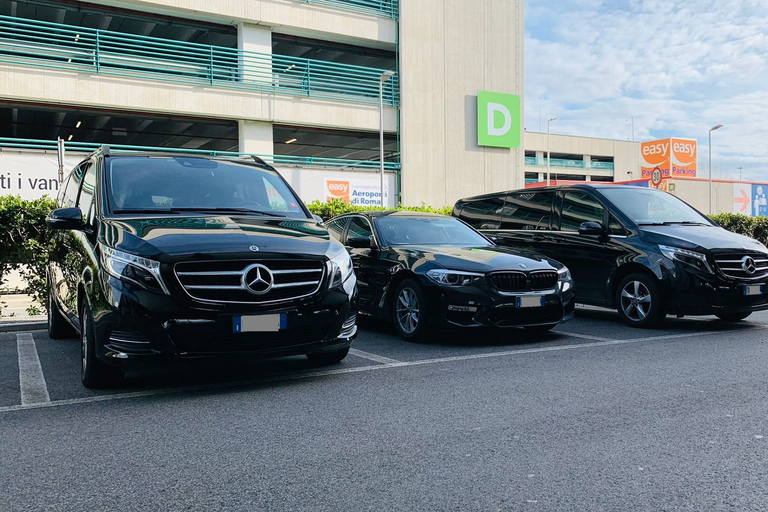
column 407, row 310
column 636, row 301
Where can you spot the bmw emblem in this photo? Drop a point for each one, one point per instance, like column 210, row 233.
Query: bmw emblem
column 254, row 248
column 521, row 265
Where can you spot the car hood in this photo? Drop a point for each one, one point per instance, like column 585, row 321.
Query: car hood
column 174, row 238
column 474, row 259
column 700, row 238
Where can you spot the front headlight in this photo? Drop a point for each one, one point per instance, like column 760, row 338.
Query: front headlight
column 135, row 269
column 563, row 274
column 692, row 258
column 341, row 269
column 453, row 277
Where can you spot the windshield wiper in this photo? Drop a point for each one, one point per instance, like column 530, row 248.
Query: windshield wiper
column 226, row 210
column 673, row 222
column 145, row 210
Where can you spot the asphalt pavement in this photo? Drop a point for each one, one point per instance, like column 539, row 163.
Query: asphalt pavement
column 593, row 416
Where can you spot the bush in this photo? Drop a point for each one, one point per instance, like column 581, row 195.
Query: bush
column 336, row 207
column 753, row 227
column 25, row 242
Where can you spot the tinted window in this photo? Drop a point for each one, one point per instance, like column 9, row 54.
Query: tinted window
column 358, row 227
column 70, row 194
column 580, row 207
column 336, row 228
column 528, row 210
column 428, row 231
column 87, row 191
column 188, row 183
column 484, row 213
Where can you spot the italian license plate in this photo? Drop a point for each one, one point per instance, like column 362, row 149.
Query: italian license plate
column 535, row 301
column 753, row 289
column 260, row 323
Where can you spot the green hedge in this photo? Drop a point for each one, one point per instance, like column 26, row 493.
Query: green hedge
column 336, row 207
column 753, row 227
column 25, row 242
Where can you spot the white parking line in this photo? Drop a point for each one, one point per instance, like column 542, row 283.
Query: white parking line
column 372, row 357
column 324, row 373
column 31, row 380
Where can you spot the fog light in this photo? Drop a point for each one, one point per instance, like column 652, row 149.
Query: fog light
column 465, row 309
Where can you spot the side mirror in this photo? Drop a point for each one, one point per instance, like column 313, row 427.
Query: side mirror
column 591, row 228
column 65, row 218
column 361, row 242
column 318, row 219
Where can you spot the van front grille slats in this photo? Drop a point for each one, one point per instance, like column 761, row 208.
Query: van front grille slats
column 223, row 282
column 732, row 265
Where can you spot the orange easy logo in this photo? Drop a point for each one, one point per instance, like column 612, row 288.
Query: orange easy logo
column 683, row 157
column 654, row 155
column 338, row 189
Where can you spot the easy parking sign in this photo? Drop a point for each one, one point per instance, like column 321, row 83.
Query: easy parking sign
column 498, row 119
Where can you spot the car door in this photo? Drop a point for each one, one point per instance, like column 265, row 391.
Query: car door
column 591, row 258
column 84, row 241
column 370, row 264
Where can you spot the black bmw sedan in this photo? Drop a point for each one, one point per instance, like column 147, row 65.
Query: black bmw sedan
column 425, row 270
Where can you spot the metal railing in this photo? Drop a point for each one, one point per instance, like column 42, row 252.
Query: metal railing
column 563, row 162
column 53, row 45
column 388, row 8
column 601, row 165
column 274, row 159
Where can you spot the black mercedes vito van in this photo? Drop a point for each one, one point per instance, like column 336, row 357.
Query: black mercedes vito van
column 162, row 256
column 640, row 250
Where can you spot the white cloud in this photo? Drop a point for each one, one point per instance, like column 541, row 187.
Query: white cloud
column 678, row 68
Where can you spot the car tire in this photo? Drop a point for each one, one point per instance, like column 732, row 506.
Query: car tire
column 328, row 358
column 539, row 329
column 93, row 372
column 638, row 301
column 409, row 311
column 58, row 326
column 732, row 317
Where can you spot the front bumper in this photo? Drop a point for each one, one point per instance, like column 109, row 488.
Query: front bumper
column 134, row 327
column 470, row 306
column 695, row 293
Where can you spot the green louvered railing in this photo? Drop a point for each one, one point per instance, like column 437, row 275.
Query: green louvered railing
column 387, row 8
column 275, row 159
column 53, row 45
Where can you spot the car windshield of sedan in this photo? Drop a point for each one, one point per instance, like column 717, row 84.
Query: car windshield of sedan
column 143, row 184
column 653, row 207
column 445, row 231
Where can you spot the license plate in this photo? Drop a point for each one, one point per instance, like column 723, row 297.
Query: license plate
column 536, row 301
column 259, row 323
column 753, row 289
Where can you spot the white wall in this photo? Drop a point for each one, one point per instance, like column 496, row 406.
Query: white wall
column 450, row 50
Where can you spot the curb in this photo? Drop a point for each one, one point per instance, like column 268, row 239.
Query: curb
column 22, row 326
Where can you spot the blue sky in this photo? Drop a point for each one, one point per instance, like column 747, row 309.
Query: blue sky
column 677, row 68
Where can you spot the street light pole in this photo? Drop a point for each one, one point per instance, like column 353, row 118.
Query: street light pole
column 709, row 146
column 739, row 168
column 383, row 78
column 548, row 166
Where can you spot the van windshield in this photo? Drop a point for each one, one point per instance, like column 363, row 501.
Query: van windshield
column 653, row 207
column 145, row 184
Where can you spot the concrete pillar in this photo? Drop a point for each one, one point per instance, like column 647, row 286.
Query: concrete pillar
column 254, row 39
column 255, row 137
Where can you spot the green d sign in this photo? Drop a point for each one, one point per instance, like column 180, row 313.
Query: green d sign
column 498, row 119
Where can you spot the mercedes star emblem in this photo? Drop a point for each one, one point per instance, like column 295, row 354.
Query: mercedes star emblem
column 257, row 279
column 748, row 265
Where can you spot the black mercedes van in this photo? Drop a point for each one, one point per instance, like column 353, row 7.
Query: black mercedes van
column 641, row 251
column 163, row 256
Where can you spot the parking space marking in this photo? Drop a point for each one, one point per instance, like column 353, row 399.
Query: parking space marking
column 372, row 357
column 325, row 373
column 582, row 336
column 31, row 380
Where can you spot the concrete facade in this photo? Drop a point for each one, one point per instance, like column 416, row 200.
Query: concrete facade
column 449, row 51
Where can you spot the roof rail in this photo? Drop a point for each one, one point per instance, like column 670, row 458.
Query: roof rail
column 105, row 150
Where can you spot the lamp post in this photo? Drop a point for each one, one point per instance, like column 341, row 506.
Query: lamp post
column 385, row 76
column 548, row 122
column 710, row 164
column 739, row 168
